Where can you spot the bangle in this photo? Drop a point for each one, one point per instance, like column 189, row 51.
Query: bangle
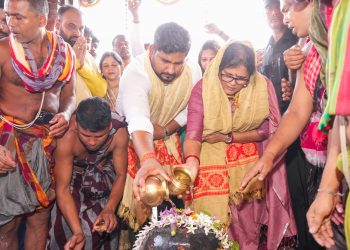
column 321, row 190
column 194, row 156
column 147, row 156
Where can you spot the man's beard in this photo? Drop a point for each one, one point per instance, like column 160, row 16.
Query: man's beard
column 167, row 78
column 71, row 40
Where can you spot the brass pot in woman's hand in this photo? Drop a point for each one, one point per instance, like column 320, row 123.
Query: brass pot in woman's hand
column 181, row 181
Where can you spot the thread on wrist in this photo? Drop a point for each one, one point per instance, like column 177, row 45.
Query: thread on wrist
column 194, row 156
column 147, row 156
column 330, row 192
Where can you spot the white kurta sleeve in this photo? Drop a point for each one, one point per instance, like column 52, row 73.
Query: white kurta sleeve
column 132, row 101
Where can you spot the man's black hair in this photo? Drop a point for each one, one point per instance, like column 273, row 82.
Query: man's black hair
column 94, row 114
column 63, row 9
column 172, row 38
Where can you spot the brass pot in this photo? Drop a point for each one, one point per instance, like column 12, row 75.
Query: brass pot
column 181, row 181
column 156, row 191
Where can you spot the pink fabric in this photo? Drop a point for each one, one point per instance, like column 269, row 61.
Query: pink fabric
column 275, row 210
column 195, row 117
column 312, row 69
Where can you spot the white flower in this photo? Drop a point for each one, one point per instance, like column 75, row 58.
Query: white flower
column 189, row 220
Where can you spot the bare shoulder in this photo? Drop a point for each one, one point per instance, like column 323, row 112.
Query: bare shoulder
column 120, row 139
column 67, row 143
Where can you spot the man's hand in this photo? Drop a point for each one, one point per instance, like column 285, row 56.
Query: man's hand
column 294, row 57
column 318, row 219
column 7, row 163
column 158, row 132
column 150, row 167
column 76, row 242
column 106, row 221
column 80, row 50
column 287, row 90
column 58, row 125
column 261, row 168
column 214, row 138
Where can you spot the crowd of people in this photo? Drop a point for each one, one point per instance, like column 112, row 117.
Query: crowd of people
column 263, row 134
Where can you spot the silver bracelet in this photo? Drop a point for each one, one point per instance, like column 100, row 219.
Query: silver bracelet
column 321, row 190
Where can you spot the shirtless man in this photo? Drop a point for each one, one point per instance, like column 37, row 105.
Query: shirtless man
column 90, row 172
column 36, row 102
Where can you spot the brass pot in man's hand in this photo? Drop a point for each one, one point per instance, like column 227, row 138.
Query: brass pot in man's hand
column 155, row 192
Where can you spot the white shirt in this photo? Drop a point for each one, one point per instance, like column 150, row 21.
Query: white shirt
column 132, row 100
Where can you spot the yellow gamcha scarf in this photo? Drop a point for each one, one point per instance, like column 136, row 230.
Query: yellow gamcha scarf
column 251, row 111
column 166, row 102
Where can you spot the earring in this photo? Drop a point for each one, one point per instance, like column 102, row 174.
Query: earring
column 245, row 85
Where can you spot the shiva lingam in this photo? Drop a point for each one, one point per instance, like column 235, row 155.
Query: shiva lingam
column 157, row 189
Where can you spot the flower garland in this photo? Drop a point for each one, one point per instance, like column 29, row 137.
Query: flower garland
column 180, row 218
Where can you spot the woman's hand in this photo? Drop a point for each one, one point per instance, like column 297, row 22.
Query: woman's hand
column 214, row 138
column 262, row 168
column 319, row 219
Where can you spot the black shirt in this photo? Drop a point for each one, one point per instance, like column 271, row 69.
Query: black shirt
column 273, row 66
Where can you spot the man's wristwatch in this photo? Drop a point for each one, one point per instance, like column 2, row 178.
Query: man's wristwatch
column 229, row 138
column 166, row 134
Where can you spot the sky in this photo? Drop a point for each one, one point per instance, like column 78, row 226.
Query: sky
column 240, row 19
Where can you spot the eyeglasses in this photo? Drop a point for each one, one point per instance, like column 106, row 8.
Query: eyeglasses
column 240, row 80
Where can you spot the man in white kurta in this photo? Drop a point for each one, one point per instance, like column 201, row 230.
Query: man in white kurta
column 153, row 96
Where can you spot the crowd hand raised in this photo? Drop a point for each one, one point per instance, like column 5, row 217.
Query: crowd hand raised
column 148, row 168
column 105, row 222
column 76, row 242
column 212, row 28
column 133, row 6
column 58, row 125
column 7, row 163
column 287, row 90
column 318, row 219
column 294, row 57
column 214, row 138
column 261, row 169
column 80, row 49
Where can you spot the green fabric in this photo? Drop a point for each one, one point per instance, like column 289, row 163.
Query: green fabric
column 338, row 60
column 318, row 35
